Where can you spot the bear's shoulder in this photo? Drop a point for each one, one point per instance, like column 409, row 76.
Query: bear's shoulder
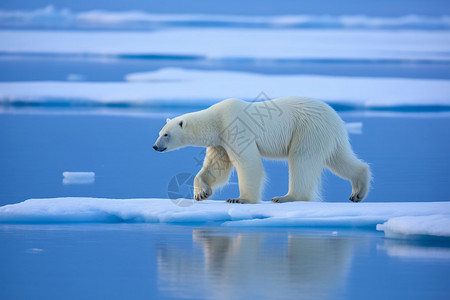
column 232, row 101
column 229, row 104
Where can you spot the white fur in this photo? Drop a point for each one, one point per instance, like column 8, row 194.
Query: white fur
column 307, row 132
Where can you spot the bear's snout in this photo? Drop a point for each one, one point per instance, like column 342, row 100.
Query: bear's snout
column 160, row 149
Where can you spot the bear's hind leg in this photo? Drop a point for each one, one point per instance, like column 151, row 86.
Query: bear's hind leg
column 216, row 170
column 345, row 164
column 304, row 179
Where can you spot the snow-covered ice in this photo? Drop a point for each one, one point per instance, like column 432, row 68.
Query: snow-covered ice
column 78, row 177
column 184, row 87
column 429, row 225
column 237, row 43
column 410, row 219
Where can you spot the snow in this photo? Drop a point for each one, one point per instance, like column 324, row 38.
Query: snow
column 78, row 177
column 237, row 43
column 140, row 19
column 185, row 87
column 409, row 219
column 430, row 225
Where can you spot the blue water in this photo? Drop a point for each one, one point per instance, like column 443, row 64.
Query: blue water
column 151, row 261
column 409, row 153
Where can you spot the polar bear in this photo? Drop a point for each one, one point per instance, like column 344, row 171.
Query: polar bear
column 307, row 132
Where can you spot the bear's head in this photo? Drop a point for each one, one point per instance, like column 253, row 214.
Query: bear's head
column 172, row 136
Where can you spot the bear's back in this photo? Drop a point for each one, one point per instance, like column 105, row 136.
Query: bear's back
column 275, row 125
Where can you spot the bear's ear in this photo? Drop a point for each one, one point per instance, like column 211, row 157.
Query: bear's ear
column 167, row 120
column 182, row 123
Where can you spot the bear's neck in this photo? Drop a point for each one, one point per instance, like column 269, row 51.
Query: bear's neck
column 205, row 128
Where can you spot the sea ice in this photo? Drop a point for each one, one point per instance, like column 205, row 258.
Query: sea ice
column 184, row 87
column 437, row 225
column 410, row 219
column 237, row 43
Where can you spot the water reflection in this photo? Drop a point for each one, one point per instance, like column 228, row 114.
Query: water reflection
column 224, row 265
column 418, row 249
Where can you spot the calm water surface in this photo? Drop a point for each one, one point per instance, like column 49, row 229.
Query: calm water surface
column 152, row 261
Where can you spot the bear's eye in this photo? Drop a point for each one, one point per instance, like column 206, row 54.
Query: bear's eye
column 165, row 134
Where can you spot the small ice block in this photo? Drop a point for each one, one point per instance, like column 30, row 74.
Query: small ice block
column 78, row 177
column 354, row 127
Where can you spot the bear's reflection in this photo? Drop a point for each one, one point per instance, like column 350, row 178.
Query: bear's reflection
column 223, row 265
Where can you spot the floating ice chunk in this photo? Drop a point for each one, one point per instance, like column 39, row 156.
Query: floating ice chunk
column 78, row 177
column 415, row 219
column 354, row 127
column 436, row 225
column 76, row 77
column 35, row 250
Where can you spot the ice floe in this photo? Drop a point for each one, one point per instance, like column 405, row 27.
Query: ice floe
column 186, row 87
column 236, row 44
column 430, row 225
column 408, row 219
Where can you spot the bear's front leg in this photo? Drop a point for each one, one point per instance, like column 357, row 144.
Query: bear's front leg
column 202, row 190
column 250, row 174
column 215, row 171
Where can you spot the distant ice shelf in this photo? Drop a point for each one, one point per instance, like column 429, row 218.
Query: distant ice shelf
column 187, row 87
column 404, row 220
column 403, row 46
column 52, row 17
